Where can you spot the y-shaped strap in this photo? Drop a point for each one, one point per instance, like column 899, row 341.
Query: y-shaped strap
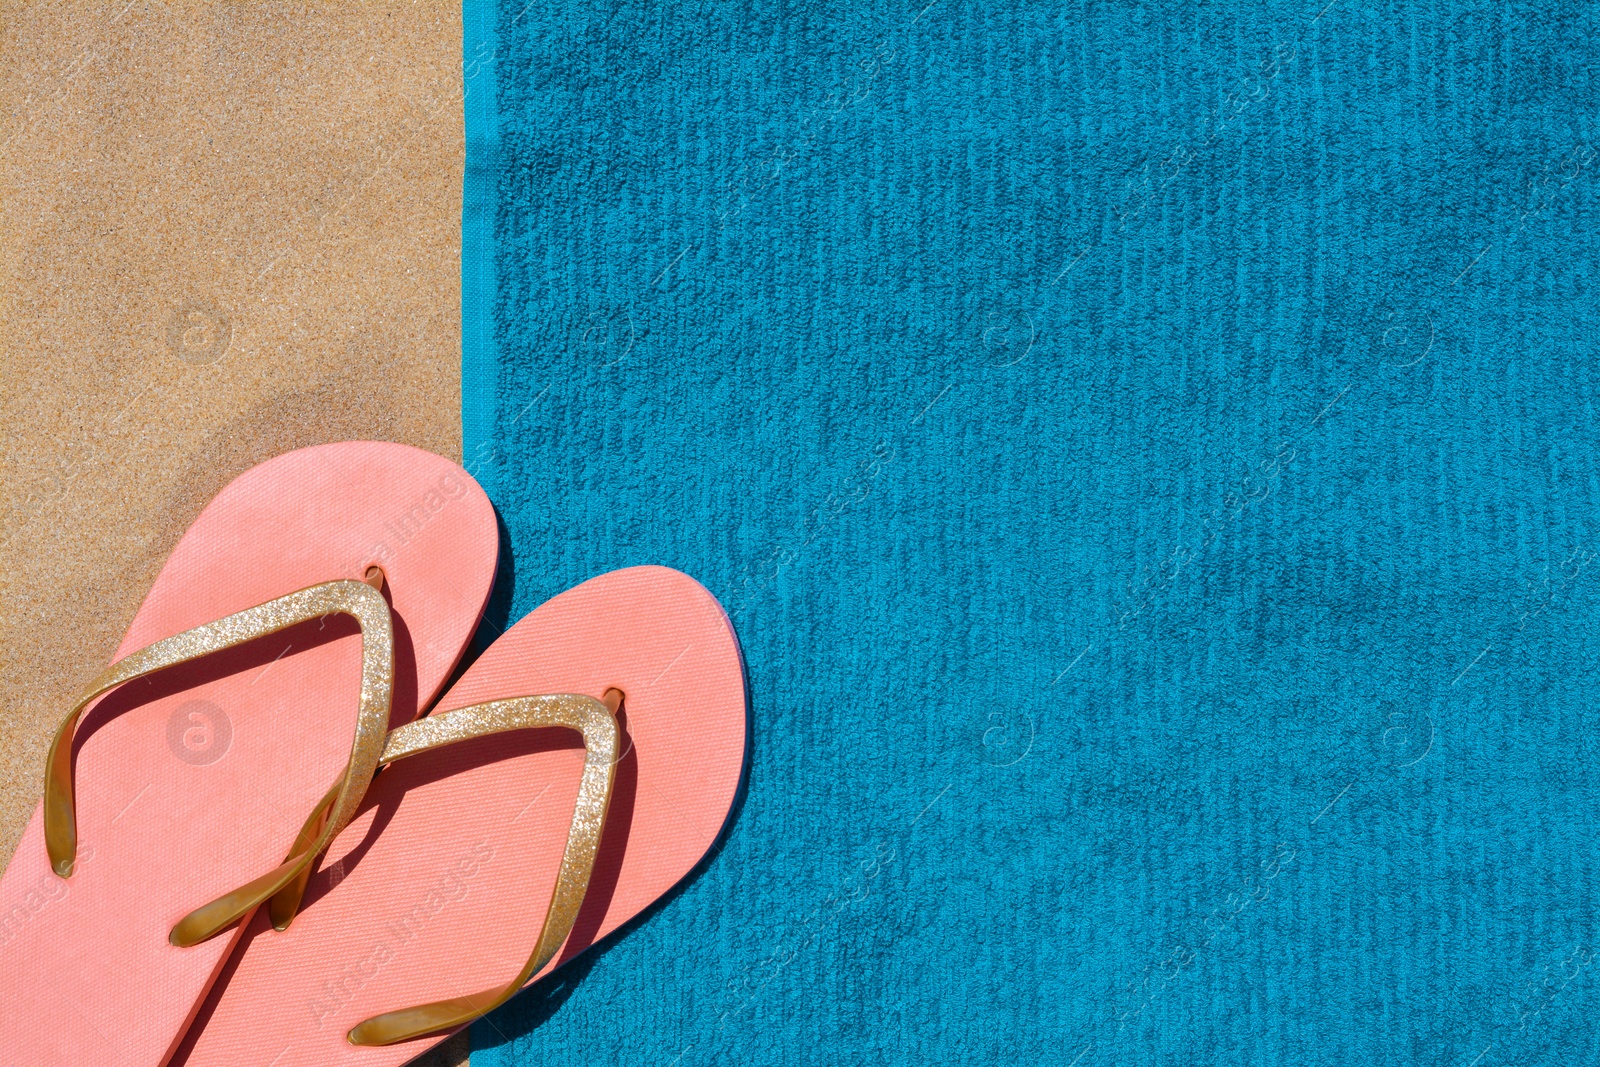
column 597, row 722
column 344, row 597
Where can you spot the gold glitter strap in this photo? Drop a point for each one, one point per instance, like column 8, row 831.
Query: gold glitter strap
column 344, row 597
column 597, row 722
column 285, row 903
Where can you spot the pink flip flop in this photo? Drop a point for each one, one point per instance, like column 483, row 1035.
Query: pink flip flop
column 493, row 848
column 263, row 648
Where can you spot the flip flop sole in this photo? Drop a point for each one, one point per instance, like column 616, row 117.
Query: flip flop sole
column 439, row 886
column 195, row 780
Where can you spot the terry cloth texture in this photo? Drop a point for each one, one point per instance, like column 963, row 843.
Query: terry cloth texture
column 1147, row 455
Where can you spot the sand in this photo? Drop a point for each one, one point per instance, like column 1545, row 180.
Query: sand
column 229, row 230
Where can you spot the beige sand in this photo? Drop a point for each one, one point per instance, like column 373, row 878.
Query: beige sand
column 226, row 230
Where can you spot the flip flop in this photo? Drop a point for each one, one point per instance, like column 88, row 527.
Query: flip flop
column 473, row 865
column 264, row 665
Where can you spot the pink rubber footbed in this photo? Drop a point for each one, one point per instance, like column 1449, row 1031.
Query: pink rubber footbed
column 196, row 780
column 440, row 885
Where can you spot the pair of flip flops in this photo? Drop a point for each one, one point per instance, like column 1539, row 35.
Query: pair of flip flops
column 220, row 874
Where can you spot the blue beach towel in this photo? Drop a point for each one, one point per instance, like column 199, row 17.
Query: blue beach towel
column 1147, row 454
